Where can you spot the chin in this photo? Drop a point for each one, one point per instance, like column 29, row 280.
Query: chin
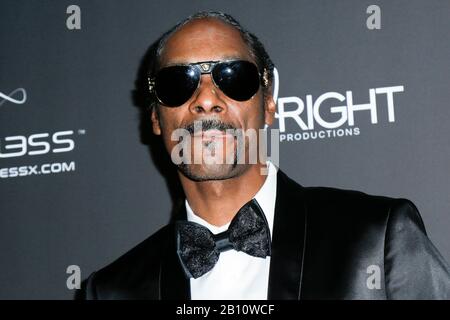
column 211, row 172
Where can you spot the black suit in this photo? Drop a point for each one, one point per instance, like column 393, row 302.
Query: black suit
column 324, row 240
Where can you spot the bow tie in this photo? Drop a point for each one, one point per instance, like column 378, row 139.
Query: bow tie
column 199, row 249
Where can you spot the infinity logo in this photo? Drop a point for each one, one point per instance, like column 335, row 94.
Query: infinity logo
column 11, row 94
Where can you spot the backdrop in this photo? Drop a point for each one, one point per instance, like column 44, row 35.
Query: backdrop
column 363, row 103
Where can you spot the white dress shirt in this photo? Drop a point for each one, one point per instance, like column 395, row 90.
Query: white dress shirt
column 237, row 275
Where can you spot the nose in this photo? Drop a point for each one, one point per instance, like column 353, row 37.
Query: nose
column 207, row 99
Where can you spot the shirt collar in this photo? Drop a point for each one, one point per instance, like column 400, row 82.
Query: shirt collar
column 265, row 196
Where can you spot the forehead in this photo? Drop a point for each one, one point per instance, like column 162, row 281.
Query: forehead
column 204, row 40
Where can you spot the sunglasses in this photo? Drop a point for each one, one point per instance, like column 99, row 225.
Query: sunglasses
column 175, row 85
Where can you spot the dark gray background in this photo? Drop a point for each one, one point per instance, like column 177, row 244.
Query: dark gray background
column 83, row 79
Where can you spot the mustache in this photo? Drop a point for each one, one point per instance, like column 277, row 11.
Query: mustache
column 209, row 124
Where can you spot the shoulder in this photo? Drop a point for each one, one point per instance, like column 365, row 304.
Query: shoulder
column 350, row 206
column 348, row 200
column 359, row 208
column 138, row 268
column 142, row 254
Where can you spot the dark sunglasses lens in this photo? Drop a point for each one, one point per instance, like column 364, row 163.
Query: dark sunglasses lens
column 239, row 80
column 175, row 85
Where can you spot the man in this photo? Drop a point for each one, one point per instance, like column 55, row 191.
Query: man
column 247, row 235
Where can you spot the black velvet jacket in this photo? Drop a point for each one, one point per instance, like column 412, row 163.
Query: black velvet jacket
column 326, row 244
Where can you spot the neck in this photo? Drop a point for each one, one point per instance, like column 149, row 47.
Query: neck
column 218, row 201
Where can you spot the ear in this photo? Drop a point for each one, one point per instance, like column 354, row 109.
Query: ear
column 269, row 109
column 155, row 121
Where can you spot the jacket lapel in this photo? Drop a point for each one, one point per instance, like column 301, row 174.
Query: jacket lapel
column 173, row 284
column 288, row 241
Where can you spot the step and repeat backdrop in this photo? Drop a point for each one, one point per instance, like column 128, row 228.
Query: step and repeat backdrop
column 363, row 98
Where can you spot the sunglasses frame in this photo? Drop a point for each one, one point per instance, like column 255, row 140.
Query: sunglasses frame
column 206, row 67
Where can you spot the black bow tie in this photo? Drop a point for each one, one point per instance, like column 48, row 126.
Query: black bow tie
column 199, row 249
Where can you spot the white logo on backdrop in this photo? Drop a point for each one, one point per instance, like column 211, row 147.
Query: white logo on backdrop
column 18, row 96
column 35, row 144
column 309, row 116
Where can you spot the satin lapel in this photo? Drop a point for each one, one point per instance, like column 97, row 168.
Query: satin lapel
column 288, row 241
column 173, row 284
